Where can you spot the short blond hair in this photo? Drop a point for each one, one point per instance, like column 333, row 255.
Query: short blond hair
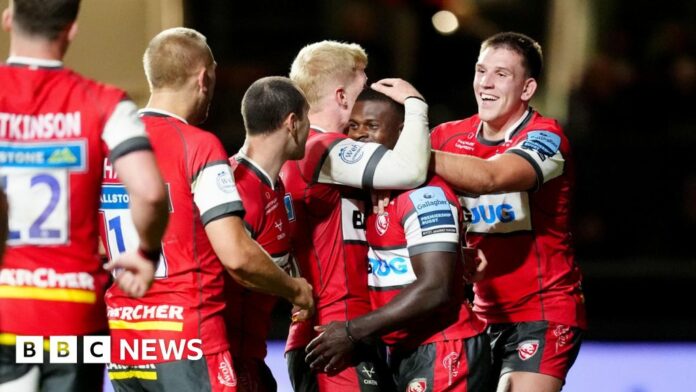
column 173, row 55
column 321, row 63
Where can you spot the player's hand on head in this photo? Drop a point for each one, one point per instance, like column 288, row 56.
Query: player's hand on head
column 303, row 301
column 396, row 89
column 332, row 350
column 135, row 273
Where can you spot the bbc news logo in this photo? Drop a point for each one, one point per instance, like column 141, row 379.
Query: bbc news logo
column 97, row 349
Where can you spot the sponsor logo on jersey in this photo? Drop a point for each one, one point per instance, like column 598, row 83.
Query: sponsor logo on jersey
column 464, row 144
column 225, row 181
column 432, row 207
column 226, row 374
column 417, row 385
column 544, row 143
column 145, row 312
column 64, row 155
column 491, row 213
column 287, row 200
column 46, row 278
column 352, row 153
column 451, row 363
column 397, row 265
column 527, row 349
column 114, row 197
column 382, row 223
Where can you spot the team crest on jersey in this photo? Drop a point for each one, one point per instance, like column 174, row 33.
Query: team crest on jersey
column 527, row 349
column 224, row 181
column 417, row 385
column 545, row 144
column 287, row 200
column 351, row 153
column 382, row 223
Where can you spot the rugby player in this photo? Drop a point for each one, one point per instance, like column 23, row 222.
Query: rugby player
column 206, row 235
column 435, row 341
column 329, row 240
column 56, row 128
column 513, row 170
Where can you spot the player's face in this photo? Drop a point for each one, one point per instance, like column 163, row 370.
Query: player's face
column 499, row 85
column 374, row 121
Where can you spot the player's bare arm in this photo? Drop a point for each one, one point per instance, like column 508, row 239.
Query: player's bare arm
column 501, row 173
column 431, row 292
column 374, row 166
column 253, row 268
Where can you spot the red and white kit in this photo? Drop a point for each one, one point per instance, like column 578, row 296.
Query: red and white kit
column 56, row 129
column 531, row 273
column 186, row 300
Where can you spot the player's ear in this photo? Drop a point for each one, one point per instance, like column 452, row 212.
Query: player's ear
column 72, row 31
column 530, row 86
column 7, row 19
column 202, row 80
column 291, row 123
column 341, row 97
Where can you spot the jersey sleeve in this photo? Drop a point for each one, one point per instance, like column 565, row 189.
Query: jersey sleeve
column 124, row 132
column 430, row 221
column 213, row 186
column 350, row 162
column 544, row 150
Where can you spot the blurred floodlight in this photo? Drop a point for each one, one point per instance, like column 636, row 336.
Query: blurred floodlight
column 445, row 22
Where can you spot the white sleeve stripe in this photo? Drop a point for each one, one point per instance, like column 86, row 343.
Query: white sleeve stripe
column 450, row 247
column 222, row 210
column 369, row 173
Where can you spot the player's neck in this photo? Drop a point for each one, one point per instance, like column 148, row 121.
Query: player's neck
column 496, row 130
column 328, row 120
column 22, row 46
column 175, row 102
column 267, row 153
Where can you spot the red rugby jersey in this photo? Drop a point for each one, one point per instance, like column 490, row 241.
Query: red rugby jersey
column 56, row 128
column 328, row 230
column 248, row 314
column 426, row 219
column 531, row 272
column 186, row 300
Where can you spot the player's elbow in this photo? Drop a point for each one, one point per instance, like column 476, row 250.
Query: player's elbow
column 411, row 177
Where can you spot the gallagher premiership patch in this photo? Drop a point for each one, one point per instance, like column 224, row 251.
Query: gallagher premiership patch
column 544, row 143
column 432, row 207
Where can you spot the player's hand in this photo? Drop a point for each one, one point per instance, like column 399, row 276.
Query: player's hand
column 380, row 200
column 332, row 350
column 396, row 89
column 136, row 273
column 475, row 264
column 303, row 301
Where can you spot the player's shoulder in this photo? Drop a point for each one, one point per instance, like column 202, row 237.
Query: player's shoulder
column 94, row 87
column 538, row 122
column 434, row 191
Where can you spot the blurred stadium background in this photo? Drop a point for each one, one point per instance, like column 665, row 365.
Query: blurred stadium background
column 620, row 75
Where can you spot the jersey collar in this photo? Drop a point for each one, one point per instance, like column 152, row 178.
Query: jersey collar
column 317, row 128
column 509, row 133
column 242, row 158
column 33, row 63
column 159, row 113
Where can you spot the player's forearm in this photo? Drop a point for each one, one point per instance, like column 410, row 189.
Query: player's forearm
column 253, row 268
column 148, row 197
column 406, row 166
column 466, row 173
column 415, row 302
